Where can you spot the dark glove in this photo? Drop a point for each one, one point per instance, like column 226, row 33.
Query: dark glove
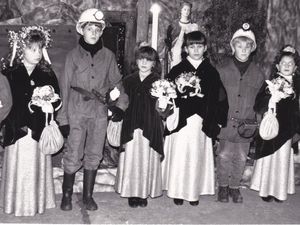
column 117, row 113
column 65, row 130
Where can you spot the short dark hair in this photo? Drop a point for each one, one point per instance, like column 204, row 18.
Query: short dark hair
column 194, row 37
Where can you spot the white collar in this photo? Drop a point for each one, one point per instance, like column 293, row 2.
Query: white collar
column 194, row 62
column 288, row 78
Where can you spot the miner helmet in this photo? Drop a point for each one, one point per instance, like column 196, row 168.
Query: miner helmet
column 92, row 15
column 245, row 31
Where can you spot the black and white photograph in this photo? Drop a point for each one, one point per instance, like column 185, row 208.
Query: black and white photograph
column 149, row 111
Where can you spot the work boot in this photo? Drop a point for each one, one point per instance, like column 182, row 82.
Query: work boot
column 223, row 195
column 67, row 189
column 88, row 188
column 236, row 195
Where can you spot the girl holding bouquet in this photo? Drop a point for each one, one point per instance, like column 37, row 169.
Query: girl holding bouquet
column 273, row 175
column 188, row 167
column 139, row 169
column 27, row 186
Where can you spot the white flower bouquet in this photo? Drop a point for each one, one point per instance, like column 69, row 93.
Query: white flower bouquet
column 164, row 90
column 281, row 87
column 43, row 97
column 189, row 80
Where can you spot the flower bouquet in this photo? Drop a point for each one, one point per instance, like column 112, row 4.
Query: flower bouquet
column 43, row 97
column 281, row 87
column 164, row 90
column 189, row 79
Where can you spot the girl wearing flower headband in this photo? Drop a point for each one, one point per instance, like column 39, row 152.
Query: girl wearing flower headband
column 27, row 183
column 273, row 175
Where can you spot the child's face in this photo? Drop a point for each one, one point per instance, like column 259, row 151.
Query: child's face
column 196, row 51
column 242, row 50
column 145, row 65
column 287, row 66
column 32, row 54
column 185, row 10
column 92, row 33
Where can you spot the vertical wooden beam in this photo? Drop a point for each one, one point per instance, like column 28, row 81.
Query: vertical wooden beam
column 143, row 7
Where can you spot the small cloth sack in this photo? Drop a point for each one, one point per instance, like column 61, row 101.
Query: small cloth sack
column 269, row 126
column 114, row 133
column 51, row 140
column 173, row 120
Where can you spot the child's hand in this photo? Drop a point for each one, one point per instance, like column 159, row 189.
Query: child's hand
column 114, row 94
column 276, row 96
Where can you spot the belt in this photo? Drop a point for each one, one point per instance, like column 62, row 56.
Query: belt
column 91, row 95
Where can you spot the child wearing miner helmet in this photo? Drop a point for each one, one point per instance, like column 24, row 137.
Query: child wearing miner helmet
column 242, row 80
column 90, row 72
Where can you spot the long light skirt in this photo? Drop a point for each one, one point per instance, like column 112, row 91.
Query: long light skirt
column 274, row 174
column 139, row 170
column 27, row 184
column 188, row 167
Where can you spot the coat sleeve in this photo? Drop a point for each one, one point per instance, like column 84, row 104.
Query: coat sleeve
column 5, row 98
column 262, row 100
column 65, row 85
column 217, row 107
column 115, row 79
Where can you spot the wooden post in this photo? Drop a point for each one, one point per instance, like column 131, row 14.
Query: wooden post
column 143, row 7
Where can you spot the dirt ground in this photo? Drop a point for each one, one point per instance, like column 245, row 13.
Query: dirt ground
column 114, row 210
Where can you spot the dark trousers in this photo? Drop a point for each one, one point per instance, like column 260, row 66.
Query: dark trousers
column 231, row 161
column 85, row 144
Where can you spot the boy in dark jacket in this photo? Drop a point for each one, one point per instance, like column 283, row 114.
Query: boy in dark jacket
column 242, row 80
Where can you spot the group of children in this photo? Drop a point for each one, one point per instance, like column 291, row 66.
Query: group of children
column 152, row 158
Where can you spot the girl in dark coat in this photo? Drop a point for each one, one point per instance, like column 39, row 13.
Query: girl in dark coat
column 27, row 186
column 139, row 169
column 188, row 167
column 273, row 175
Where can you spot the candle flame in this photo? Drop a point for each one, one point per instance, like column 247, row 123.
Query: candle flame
column 155, row 8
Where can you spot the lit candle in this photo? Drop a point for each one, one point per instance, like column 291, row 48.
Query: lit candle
column 155, row 9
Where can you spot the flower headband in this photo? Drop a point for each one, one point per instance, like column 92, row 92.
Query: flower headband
column 17, row 41
column 289, row 48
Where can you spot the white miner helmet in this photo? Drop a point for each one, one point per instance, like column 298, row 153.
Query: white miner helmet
column 244, row 32
column 90, row 15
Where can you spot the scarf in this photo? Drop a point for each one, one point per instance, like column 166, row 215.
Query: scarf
column 92, row 49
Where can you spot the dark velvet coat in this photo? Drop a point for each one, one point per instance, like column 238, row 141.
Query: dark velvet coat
column 213, row 107
column 288, row 115
column 19, row 118
column 141, row 112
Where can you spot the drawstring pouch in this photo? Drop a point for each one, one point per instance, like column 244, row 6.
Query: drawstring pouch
column 114, row 133
column 51, row 140
column 173, row 119
column 269, row 126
